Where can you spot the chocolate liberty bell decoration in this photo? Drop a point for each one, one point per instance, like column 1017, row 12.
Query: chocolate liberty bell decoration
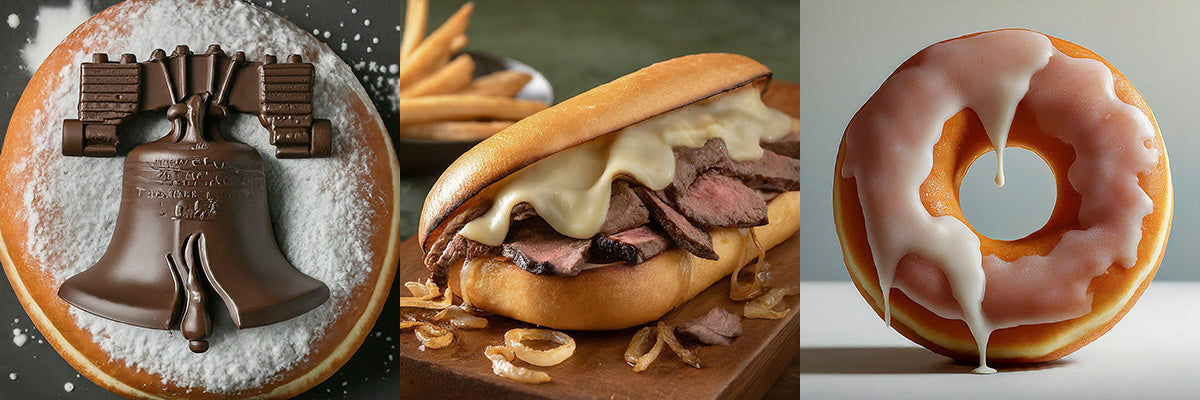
column 193, row 225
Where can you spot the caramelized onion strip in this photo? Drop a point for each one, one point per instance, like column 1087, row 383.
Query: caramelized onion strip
column 741, row 292
column 502, row 365
column 764, row 306
column 667, row 334
column 410, row 324
column 635, row 356
column 542, row 358
column 433, row 337
column 418, row 302
column 424, row 291
column 459, row 318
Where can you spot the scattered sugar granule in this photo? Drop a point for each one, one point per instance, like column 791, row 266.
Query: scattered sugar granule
column 316, row 32
column 366, row 22
column 71, row 386
column 14, row 21
column 357, row 36
column 354, row 11
column 398, row 28
column 394, row 68
column 375, row 40
column 19, row 338
column 268, row 5
column 12, row 376
column 326, row 34
column 344, row 46
column 369, row 49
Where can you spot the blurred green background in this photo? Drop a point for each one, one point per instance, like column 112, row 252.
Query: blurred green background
column 578, row 45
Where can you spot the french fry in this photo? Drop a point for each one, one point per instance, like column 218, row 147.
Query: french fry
column 435, row 49
column 414, row 26
column 505, row 83
column 438, row 97
column 453, row 130
column 460, row 107
column 458, row 43
column 450, row 78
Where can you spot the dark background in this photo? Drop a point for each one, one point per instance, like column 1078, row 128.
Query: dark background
column 576, row 45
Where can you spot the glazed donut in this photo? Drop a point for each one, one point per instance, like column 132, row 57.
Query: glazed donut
column 335, row 218
column 962, row 294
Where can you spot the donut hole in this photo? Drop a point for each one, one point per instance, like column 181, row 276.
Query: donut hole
column 1018, row 209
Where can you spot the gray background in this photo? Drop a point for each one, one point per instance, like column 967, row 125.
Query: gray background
column 848, row 48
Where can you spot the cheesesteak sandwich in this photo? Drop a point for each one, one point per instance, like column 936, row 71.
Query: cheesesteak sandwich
column 613, row 207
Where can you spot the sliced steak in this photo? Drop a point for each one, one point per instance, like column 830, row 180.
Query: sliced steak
column 771, row 172
column 442, row 254
column 716, row 327
column 523, row 211
column 690, row 163
column 536, row 247
column 718, row 201
column 787, row 146
column 678, row 228
column 625, row 210
column 461, row 247
column 766, row 195
column 632, row 247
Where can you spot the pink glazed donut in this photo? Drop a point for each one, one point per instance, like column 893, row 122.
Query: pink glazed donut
column 962, row 294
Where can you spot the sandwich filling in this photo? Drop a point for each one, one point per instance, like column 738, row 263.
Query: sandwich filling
column 625, row 197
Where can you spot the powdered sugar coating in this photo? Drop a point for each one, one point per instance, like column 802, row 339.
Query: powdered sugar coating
column 319, row 207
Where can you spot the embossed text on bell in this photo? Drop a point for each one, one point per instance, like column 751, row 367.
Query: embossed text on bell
column 193, row 226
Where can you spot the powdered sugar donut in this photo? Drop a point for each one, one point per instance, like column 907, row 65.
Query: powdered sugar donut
column 962, row 294
column 335, row 218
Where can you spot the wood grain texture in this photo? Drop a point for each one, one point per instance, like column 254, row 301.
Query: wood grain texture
column 744, row 370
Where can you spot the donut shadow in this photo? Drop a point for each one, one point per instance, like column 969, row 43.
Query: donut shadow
column 895, row 361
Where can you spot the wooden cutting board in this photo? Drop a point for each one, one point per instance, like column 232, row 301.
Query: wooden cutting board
column 597, row 370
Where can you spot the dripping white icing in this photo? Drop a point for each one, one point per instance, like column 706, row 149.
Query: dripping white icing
column 889, row 153
column 571, row 189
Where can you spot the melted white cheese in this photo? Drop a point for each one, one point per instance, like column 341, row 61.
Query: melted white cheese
column 571, row 189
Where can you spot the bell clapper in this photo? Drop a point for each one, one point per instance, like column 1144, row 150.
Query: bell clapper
column 195, row 324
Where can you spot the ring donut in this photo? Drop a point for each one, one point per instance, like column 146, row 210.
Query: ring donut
column 962, row 294
column 335, row 218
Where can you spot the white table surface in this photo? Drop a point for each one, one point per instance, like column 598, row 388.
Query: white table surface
column 846, row 352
